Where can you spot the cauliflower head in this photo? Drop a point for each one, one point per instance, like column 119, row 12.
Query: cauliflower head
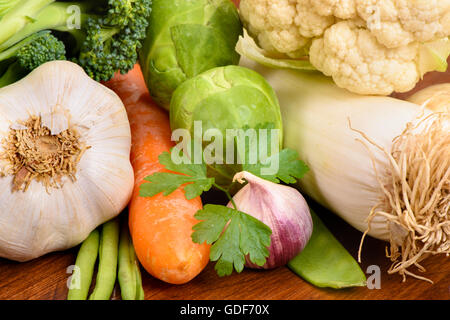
column 396, row 23
column 367, row 46
column 357, row 61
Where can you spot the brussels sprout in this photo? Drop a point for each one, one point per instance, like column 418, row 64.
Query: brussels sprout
column 186, row 38
column 222, row 98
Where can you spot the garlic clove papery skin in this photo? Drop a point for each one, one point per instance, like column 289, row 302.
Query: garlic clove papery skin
column 280, row 207
column 35, row 222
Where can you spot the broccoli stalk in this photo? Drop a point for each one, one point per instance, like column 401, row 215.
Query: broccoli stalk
column 6, row 5
column 55, row 16
column 20, row 15
column 107, row 40
column 28, row 54
column 13, row 73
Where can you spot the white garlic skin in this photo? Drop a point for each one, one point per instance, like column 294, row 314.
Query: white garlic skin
column 280, row 207
column 35, row 222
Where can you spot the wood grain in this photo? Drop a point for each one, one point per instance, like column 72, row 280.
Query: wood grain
column 46, row 278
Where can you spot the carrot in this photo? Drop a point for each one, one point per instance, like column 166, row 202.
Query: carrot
column 160, row 226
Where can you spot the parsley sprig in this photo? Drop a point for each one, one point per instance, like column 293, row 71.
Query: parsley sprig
column 193, row 175
column 243, row 236
column 234, row 234
column 290, row 168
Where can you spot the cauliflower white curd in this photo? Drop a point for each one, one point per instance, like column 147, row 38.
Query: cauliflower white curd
column 367, row 46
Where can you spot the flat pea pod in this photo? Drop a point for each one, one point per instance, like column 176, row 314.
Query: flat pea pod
column 84, row 267
column 324, row 262
column 107, row 266
column 130, row 280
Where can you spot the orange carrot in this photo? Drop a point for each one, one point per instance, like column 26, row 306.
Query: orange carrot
column 160, row 226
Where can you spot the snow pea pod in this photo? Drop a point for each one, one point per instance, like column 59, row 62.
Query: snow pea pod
column 84, row 267
column 324, row 262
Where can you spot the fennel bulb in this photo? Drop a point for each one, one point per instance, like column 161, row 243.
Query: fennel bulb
column 381, row 164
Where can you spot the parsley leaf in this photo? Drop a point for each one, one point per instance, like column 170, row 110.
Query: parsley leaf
column 193, row 175
column 288, row 169
column 243, row 236
column 262, row 160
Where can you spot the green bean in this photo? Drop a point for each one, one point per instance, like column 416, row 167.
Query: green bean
column 84, row 268
column 107, row 266
column 130, row 280
column 139, row 288
column 324, row 262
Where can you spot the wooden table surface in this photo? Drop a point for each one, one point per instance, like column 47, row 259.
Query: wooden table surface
column 46, row 278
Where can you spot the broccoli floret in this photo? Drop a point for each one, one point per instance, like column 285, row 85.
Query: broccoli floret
column 106, row 41
column 29, row 54
column 43, row 49
column 112, row 40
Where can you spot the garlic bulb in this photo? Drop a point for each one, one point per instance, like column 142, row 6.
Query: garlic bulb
column 64, row 160
column 280, row 207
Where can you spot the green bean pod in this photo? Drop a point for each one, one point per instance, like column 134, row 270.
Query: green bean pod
column 130, row 280
column 107, row 267
column 324, row 262
column 140, row 295
column 84, row 268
